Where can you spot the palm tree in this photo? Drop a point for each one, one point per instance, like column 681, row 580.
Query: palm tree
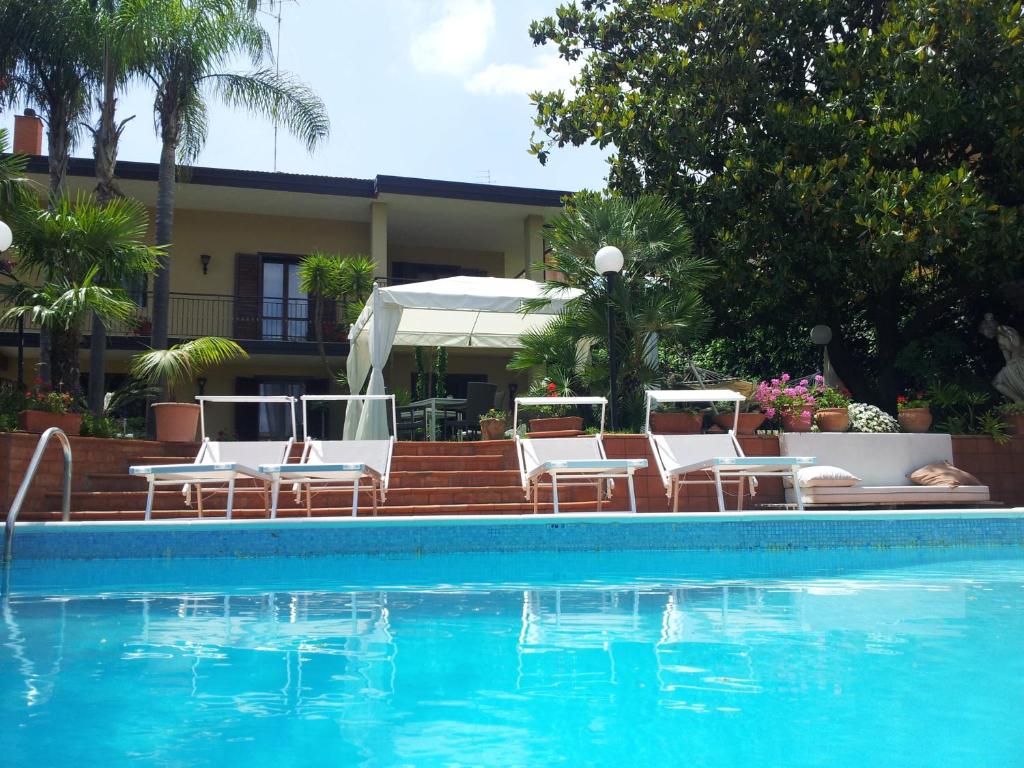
column 14, row 186
column 48, row 51
column 186, row 44
column 183, row 362
column 75, row 251
column 657, row 297
column 61, row 306
column 118, row 63
column 329, row 279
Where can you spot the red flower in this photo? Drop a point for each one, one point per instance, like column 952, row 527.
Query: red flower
column 901, row 399
column 551, row 386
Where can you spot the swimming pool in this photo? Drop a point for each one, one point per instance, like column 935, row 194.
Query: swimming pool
column 843, row 657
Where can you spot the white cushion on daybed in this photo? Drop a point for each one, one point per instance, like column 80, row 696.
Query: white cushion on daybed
column 882, row 461
column 825, row 476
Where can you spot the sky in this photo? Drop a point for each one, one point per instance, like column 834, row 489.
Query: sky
column 428, row 88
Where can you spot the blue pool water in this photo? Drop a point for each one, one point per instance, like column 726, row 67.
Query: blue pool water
column 839, row 658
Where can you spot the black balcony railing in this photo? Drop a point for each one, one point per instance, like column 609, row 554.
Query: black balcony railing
column 244, row 318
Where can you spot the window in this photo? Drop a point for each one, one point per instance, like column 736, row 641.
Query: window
column 275, row 418
column 285, row 315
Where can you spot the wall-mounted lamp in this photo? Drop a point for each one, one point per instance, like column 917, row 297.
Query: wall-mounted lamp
column 205, row 261
column 201, row 383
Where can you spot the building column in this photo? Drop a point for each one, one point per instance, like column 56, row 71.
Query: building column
column 379, row 238
column 533, row 246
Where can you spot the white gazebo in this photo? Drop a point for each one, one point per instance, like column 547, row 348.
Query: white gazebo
column 451, row 312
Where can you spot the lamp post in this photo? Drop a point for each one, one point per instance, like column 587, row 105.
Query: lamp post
column 6, row 239
column 608, row 261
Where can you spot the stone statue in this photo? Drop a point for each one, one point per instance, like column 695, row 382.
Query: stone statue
column 1010, row 380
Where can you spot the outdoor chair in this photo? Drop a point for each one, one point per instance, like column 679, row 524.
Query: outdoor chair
column 337, row 465
column 479, row 400
column 220, row 464
column 712, row 459
column 550, row 462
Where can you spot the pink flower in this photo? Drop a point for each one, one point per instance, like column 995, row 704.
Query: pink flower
column 805, row 414
column 770, row 413
column 785, row 377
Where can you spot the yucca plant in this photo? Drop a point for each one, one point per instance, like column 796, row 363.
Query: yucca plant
column 183, row 362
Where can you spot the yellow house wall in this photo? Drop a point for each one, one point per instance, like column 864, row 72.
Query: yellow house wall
column 222, row 235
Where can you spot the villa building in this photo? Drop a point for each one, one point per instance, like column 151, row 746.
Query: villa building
column 238, row 239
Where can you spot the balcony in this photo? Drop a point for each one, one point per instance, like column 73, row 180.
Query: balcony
column 259, row 325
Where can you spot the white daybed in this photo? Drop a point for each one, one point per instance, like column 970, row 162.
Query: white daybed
column 220, row 463
column 581, row 460
column 882, row 462
column 716, row 458
column 337, row 464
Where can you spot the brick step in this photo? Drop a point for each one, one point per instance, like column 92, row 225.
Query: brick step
column 399, row 479
column 428, row 463
column 343, row 511
column 464, row 448
column 253, row 498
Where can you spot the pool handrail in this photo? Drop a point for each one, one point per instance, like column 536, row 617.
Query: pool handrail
column 33, row 465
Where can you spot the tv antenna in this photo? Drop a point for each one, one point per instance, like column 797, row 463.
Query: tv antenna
column 274, row 9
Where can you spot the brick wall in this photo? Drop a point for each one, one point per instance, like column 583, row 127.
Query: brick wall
column 90, row 455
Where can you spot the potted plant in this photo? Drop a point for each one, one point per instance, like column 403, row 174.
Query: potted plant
column 178, row 422
column 749, row 421
column 794, row 403
column 492, row 424
column 45, row 408
column 832, row 410
column 557, row 421
column 677, row 421
column 1013, row 415
column 914, row 412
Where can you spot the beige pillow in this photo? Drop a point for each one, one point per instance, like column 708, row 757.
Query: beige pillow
column 942, row 473
column 824, row 476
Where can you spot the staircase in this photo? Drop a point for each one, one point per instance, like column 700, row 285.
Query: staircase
column 468, row 478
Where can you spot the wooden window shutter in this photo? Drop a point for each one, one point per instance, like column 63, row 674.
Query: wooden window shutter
column 248, row 296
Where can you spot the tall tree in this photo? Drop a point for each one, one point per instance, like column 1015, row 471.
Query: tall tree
column 656, row 298
column 63, row 251
column 49, row 47
column 117, row 64
column 188, row 44
column 849, row 162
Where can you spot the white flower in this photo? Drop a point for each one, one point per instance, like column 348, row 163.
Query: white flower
column 870, row 418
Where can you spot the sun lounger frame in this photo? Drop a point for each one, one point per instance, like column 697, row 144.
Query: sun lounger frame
column 720, row 469
column 583, row 472
column 331, row 476
column 197, row 474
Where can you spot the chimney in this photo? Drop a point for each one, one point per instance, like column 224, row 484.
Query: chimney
column 28, row 134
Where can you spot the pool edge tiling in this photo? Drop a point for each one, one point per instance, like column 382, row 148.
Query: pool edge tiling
column 566, row 532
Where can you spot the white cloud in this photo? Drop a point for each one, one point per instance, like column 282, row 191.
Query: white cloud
column 547, row 73
column 456, row 42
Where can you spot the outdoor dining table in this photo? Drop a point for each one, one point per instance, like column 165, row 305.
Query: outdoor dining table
column 430, row 408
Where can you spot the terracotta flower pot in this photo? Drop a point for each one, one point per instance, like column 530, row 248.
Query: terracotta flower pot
column 40, row 421
column 176, row 422
column 1015, row 422
column 915, row 419
column 492, row 429
column 747, row 425
column 557, row 424
column 833, row 419
column 796, row 420
column 676, row 423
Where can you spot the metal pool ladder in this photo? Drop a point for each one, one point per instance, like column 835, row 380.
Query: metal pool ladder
column 12, row 515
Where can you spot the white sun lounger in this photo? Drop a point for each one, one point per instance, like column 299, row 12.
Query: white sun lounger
column 336, row 464
column 570, row 461
column 716, row 458
column 220, row 463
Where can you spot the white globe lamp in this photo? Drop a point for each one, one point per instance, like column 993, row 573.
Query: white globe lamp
column 608, row 260
column 6, row 237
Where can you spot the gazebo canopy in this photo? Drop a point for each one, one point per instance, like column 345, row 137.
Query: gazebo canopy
column 451, row 312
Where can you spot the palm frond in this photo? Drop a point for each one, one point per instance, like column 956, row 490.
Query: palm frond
column 182, row 362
